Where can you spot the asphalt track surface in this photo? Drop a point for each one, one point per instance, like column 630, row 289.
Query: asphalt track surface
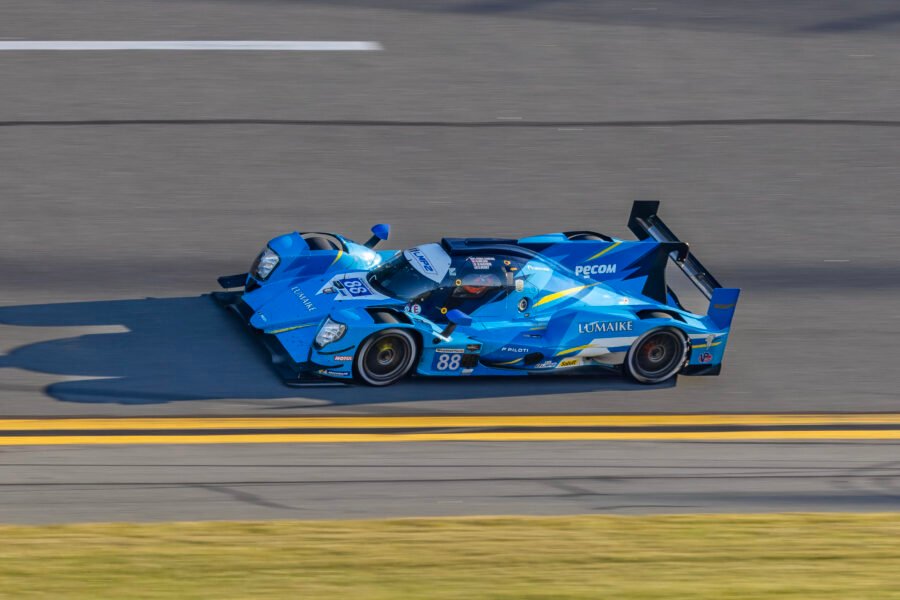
column 50, row 484
column 131, row 180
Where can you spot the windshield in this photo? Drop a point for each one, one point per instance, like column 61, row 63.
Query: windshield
column 397, row 278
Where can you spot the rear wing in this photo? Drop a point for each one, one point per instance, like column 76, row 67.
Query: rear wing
column 645, row 223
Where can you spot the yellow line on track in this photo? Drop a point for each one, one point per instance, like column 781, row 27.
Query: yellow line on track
column 253, row 430
column 277, row 438
column 176, row 423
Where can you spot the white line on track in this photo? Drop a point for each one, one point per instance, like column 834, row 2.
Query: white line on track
column 203, row 45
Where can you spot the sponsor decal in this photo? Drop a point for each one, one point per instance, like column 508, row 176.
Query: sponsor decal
column 340, row 358
column 588, row 270
column 481, row 263
column 534, row 267
column 333, row 373
column 547, row 364
column 569, row 362
column 516, row 349
column 605, row 326
column 706, row 357
column 450, row 350
column 422, row 260
column 413, row 308
column 473, row 348
column 723, row 306
column 451, row 271
column 356, row 288
column 304, row 300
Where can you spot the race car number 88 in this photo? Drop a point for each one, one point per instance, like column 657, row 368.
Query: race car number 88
column 356, row 287
column 448, row 362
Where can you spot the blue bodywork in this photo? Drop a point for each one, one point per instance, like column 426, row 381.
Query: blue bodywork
column 550, row 303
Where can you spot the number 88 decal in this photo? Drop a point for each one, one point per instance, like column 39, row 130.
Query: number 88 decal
column 448, row 362
column 356, row 287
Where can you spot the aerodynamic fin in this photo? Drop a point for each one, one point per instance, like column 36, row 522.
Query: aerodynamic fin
column 722, row 305
column 232, row 281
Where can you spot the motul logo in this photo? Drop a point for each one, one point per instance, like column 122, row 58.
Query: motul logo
column 588, row 270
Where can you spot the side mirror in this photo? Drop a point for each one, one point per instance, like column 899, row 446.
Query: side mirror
column 456, row 317
column 380, row 232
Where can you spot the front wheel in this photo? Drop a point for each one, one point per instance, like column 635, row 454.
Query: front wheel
column 385, row 357
column 657, row 355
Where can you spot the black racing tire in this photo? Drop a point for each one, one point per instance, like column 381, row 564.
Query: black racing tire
column 657, row 355
column 385, row 357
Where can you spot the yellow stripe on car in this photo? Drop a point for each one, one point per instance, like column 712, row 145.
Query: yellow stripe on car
column 562, row 294
column 338, row 257
column 509, row 362
column 602, row 252
column 290, row 328
column 571, row 350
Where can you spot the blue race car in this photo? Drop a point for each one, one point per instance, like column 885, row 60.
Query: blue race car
column 330, row 309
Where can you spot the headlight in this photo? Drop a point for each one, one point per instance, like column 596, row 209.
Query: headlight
column 265, row 263
column 330, row 331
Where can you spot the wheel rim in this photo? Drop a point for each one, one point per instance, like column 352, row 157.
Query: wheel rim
column 387, row 357
column 658, row 355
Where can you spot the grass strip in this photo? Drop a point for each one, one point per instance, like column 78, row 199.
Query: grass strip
column 722, row 557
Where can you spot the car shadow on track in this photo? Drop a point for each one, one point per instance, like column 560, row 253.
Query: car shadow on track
column 191, row 349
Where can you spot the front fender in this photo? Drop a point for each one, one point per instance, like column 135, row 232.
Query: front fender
column 336, row 359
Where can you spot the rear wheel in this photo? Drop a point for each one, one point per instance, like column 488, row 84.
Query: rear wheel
column 657, row 355
column 385, row 357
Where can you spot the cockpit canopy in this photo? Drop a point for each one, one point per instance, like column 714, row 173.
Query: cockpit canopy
column 433, row 281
